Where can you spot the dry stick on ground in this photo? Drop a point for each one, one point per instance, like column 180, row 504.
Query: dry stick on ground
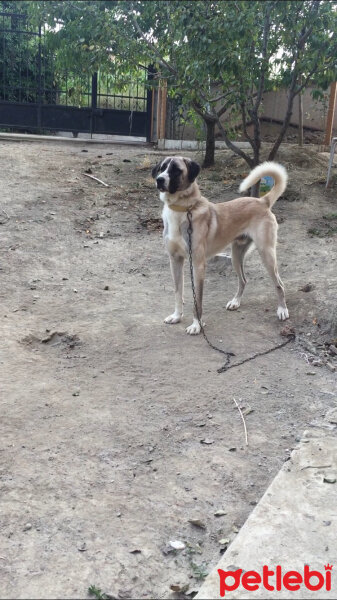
column 226, row 367
column 96, row 179
column 243, row 420
column 316, row 467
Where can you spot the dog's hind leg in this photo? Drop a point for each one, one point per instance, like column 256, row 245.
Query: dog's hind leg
column 239, row 251
column 177, row 270
column 267, row 251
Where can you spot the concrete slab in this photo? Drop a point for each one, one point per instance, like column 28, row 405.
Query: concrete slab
column 165, row 144
column 81, row 139
column 293, row 525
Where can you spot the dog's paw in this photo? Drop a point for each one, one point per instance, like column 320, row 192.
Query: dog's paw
column 174, row 318
column 233, row 304
column 282, row 313
column 195, row 328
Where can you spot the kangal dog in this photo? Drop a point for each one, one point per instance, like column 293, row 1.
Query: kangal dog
column 243, row 223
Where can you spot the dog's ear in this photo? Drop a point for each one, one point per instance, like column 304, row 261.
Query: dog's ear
column 193, row 170
column 155, row 170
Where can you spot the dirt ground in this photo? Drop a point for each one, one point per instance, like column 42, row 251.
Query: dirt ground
column 105, row 408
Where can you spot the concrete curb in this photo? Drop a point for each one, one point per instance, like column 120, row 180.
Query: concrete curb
column 294, row 524
column 30, row 137
column 165, row 144
column 161, row 145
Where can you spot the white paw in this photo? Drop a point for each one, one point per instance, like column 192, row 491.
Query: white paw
column 174, row 318
column 195, row 328
column 282, row 313
column 233, row 304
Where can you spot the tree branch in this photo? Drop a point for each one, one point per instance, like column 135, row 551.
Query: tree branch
column 244, row 124
column 288, row 114
column 232, row 146
column 254, row 112
column 204, row 114
column 266, row 30
column 307, row 79
column 222, row 110
column 314, row 9
column 152, row 47
column 211, row 100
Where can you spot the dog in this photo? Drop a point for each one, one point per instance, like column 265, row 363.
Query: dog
column 244, row 223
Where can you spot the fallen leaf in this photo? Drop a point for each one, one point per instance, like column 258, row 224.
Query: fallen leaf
column 197, row 523
column 179, row 587
column 288, row 331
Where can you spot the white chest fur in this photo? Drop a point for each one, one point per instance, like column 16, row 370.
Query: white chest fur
column 173, row 222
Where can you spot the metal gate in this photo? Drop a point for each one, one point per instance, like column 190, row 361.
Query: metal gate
column 35, row 98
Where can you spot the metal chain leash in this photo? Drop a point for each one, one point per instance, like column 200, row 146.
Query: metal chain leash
column 189, row 232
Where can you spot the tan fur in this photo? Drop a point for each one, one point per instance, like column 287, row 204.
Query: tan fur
column 238, row 222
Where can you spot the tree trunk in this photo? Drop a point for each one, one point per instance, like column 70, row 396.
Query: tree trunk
column 210, row 144
column 255, row 190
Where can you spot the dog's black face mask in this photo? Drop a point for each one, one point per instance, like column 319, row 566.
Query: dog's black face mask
column 175, row 177
column 174, row 174
column 156, row 170
column 193, row 170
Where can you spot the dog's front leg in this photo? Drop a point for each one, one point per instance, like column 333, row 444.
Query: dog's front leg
column 177, row 270
column 199, row 267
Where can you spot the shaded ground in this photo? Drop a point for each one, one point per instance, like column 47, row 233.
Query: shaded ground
column 104, row 407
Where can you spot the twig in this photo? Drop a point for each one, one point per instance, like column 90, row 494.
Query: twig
column 96, row 179
column 243, row 420
column 315, row 467
column 305, row 356
column 226, row 367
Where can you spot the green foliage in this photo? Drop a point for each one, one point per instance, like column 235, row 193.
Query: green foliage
column 218, row 57
column 18, row 57
column 97, row 593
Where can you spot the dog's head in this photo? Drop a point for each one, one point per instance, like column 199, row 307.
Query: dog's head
column 175, row 173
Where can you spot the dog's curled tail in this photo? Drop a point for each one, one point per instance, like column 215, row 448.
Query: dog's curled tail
column 276, row 171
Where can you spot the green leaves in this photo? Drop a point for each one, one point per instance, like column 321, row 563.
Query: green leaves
column 203, row 49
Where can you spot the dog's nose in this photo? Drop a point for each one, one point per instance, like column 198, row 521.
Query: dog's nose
column 160, row 182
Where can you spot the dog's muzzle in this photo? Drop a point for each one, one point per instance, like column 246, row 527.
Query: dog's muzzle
column 161, row 183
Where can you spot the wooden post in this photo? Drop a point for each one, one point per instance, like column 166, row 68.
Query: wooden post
column 152, row 113
column 163, row 109
column 300, row 119
column 158, row 111
column 331, row 113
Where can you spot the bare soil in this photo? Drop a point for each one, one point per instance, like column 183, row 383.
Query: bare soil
column 105, row 408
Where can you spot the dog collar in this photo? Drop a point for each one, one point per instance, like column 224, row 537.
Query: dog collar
column 178, row 208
